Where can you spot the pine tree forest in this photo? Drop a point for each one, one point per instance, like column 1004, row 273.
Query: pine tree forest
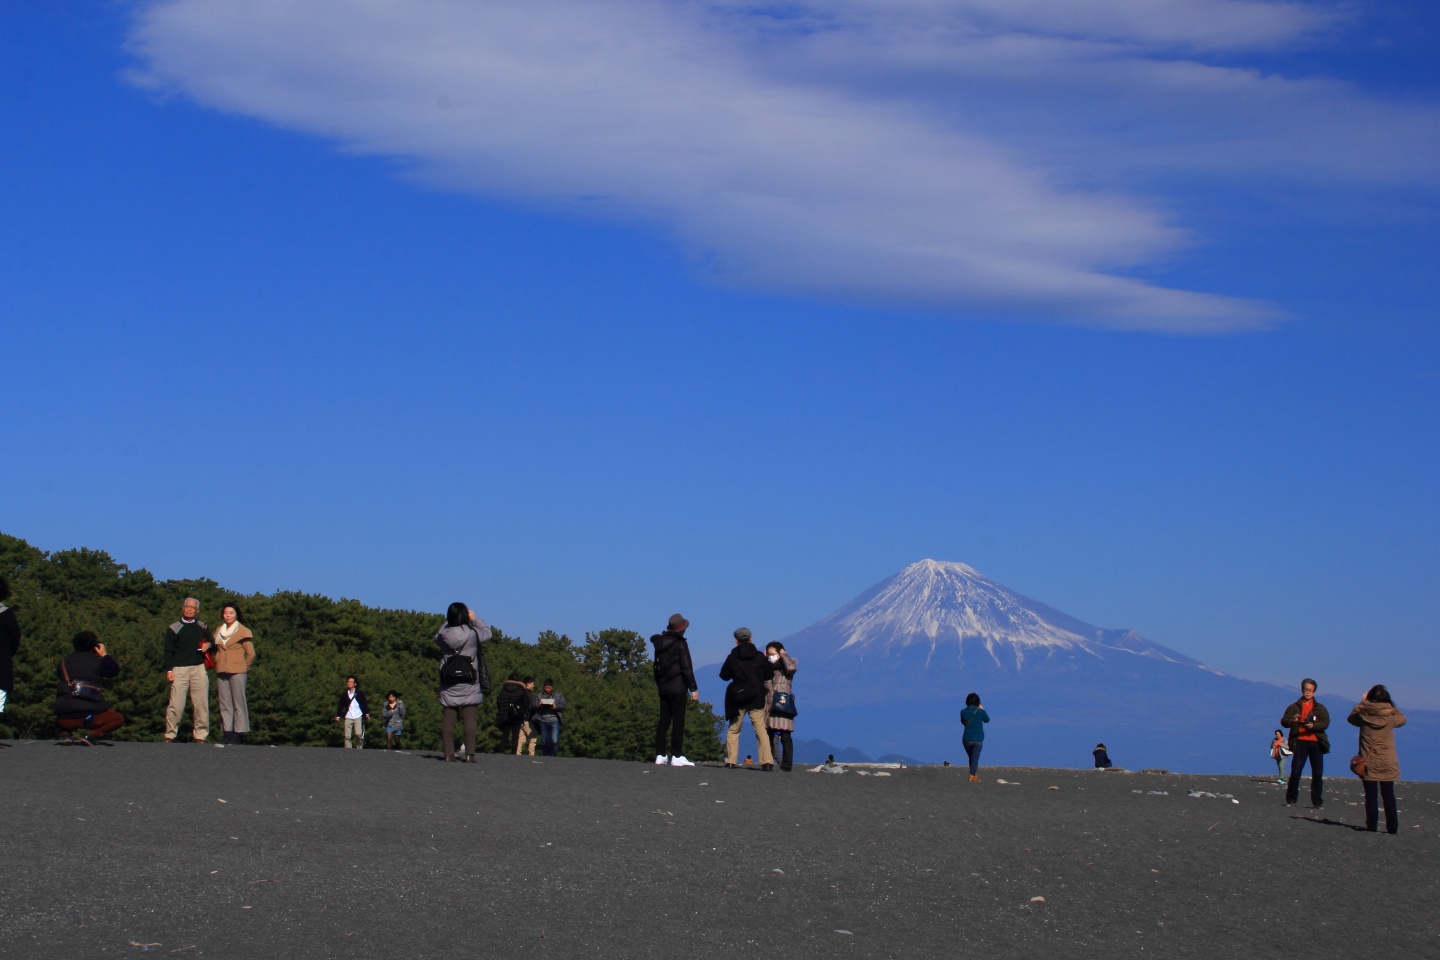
column 306, row 645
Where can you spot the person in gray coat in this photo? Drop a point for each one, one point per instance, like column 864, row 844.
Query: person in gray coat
column 459, row 641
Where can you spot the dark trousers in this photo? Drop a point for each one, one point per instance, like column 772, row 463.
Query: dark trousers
column 1307, row 750
column 672, row 718
column 509, row 737
column 1386, row 789
column 447, row 729
column 972, row 750
column 787, row 748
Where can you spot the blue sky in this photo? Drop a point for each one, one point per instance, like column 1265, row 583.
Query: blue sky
column 585, row 313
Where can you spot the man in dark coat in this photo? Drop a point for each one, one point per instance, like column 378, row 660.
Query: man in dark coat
column 674, row 681
column 1307, row 719
column 9, row 645
column 183, row 653
column 745, row 669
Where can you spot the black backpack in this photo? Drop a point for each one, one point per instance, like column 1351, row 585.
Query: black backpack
column 665, row 661
column 514, row 711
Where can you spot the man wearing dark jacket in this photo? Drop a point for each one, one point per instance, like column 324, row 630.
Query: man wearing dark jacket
column 9, row 645
column 745, row 669
column 674, row 680
column 1307, row 719
column 186, row 641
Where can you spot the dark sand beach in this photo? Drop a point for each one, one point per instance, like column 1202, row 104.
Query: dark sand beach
column 257, row 852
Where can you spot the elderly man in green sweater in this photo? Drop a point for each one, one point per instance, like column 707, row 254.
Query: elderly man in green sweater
column 186, row 641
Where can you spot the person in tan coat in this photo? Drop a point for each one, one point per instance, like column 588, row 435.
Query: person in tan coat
column 1377, row 718
column 234, row 652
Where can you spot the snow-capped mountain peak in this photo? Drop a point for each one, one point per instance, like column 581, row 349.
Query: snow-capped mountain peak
column 952, row 611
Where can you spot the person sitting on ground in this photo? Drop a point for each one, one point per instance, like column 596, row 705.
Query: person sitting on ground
column 80, row 692
column 393, row 713
column 512, row 708
column 1278, row 752
column 1102, row 757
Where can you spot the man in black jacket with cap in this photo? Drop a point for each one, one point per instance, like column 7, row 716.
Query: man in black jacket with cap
column 745, row 669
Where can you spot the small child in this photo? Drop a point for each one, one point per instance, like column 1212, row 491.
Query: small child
column 1278, row 752
column 394, row 714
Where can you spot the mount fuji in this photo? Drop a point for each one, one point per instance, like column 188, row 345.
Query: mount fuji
column 888, row 673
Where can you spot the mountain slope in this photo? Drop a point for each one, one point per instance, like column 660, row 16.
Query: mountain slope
column 889, row 671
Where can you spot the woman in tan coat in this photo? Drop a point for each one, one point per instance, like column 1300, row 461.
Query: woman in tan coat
column 780, row 670
column 234, row 652
column 1377, row 718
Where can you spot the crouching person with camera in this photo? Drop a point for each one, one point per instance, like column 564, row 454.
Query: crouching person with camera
column 81, row 712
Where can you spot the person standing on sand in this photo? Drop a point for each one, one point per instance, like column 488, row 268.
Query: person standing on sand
column 393, row 713
column 1278, row 752
column 9, row 645
column 512, row 708
column 745, row 697
column 460, row 641
column 1307, row 720
column 674, row 681
column 183, row 659
column 1377, row 717
column 529, row 733
column 973, row 718
column 1102, row 757
column 780, row 726
column 352, row 710
column 549, row 708
column 234, row 655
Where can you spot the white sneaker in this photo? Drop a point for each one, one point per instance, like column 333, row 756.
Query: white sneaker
column 661, row 759
column 681, row 762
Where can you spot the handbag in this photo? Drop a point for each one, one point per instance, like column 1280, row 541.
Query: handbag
column 209, row 660
column 81, row 689
column 1357, row 766
column 783, row 706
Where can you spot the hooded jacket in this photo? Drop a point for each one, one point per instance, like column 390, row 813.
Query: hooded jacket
column 1377, row 723
column 678, row 678
column 512, row 692
column 745, row 668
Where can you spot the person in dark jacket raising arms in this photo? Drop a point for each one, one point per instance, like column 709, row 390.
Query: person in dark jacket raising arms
column 746, row 670
column 80, row 708
column 674, row 681
column 512, row 708
column 1307, row 720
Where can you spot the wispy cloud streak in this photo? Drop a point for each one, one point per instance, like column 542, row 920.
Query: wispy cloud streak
column 969, row 155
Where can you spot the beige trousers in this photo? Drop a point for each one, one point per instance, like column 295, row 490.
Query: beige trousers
column 529, row 736
column 762, row 740
column 194, row 682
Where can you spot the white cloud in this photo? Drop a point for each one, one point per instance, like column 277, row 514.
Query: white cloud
column 844, row 150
